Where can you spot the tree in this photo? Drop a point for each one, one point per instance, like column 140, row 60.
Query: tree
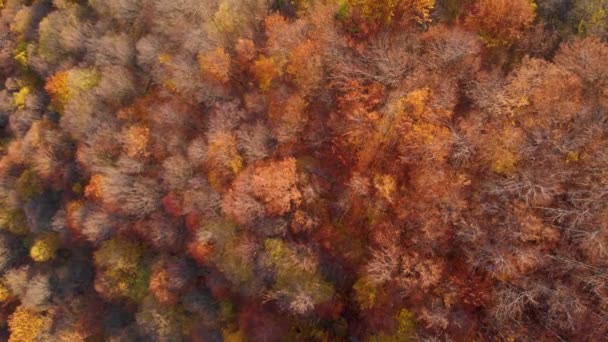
column 405, row 328
column 241, row 207
column 288, row 115
column 590, row 17
column 275, row 183
column 136, row 140
column 26, row 325
column 44, row 247
column 62, row 33
column 160, row 323
column 255, row 140
column 136, row 196
column 583, row 57
column 387, row 12
column 305, row 66
column 265, row 70
column 63, row 85
column 245, row 51
column 223, row 158
column 120, row 272
column 215, row 65
column 501, row 22
column 29, row 185
column 177, row 171
column 112, row 49
column 297, row 287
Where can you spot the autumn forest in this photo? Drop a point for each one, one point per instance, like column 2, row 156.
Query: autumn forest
column 303, row 170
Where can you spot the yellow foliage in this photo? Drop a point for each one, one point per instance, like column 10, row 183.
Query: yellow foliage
column 233, row 336
column 5, row 293
column 385, row 11
column 422, row 10
column 83, row 79
column 572, row 156
column 415, row 102
column 224, row 18
column 385, row 185
column 170, row 86
column 118, row 254
column 265, row 70
column 20, row 97
column 71, row 336
column 502, row 151
column 504, row 161
column 222, row 151
column 424, row 131
column 236, row 165
column 26, row 325
column 119, row 271
column 365, row 292
column 21, row 58
column 29, row 184
column 14, row 221
column 164, row 58
column 44, row 247
column 594, row 17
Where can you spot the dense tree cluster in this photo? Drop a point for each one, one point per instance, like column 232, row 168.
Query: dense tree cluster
column 307, row 170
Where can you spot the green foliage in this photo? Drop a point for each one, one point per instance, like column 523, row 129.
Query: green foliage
column 29, row 184
column 121, row 273
column 592, row 16
column 20, row 56
column 296, row 277
column 343, row 11
column 237, row 267
column 14, row 221
column 161, row 323
column 365, row 292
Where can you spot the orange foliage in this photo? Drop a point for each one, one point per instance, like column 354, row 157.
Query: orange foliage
column 93, row 190
column 275, row 184
column 501, row 21
column 215, row 65
column 288, row 114
column 245, row 50
column 137, row 138
column 305, row 66
column 57, row 86
column 159, row 286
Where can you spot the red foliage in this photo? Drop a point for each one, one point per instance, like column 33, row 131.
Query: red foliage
column 171, row 204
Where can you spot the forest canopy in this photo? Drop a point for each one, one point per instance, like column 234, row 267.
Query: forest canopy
column 303, row 170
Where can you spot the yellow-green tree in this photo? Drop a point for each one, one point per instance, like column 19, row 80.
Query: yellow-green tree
column 120, row 271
